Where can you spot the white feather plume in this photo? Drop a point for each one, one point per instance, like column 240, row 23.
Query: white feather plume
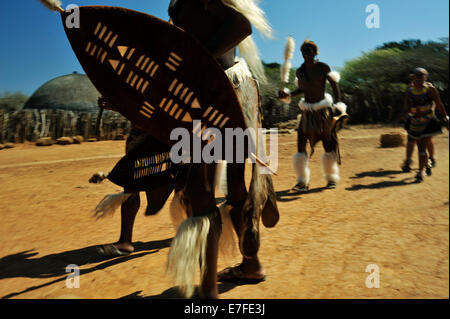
column 288, row 55
column 54, row 5
column 289, row 48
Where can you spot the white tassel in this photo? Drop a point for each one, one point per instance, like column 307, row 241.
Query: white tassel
column 109, row 204
column 288, row 55
column 301, row 168
column 53, row 5
column 285, row 70
column 187, row 249
column 330, row 167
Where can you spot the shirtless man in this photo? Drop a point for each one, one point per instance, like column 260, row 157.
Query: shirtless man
column 318, row 113
column 220, row 25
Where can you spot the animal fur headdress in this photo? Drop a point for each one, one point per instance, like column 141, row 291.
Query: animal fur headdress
column 247, row 48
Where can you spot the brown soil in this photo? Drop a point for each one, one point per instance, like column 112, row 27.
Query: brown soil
column 320, row 249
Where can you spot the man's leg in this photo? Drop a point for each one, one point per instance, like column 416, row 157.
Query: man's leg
column 197, row 238
column 129, row 211
column 123, row 246
column 250, row 269
column 406, row 167
column 301, row 161
column 330, row 164
column 423, row 159
column 430, row 148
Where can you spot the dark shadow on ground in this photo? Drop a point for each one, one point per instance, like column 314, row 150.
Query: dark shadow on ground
column 289, row 195
column 384, row 184
column 378, row 173
column 23, row 265
column 174, row 293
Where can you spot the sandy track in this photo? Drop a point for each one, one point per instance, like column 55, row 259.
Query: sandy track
column 320, row 248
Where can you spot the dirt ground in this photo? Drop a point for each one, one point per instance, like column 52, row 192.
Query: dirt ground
column 320, row 249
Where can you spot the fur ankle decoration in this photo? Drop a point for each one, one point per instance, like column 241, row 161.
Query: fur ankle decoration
column 330, row 167
column 187, row 249
column 301, row 168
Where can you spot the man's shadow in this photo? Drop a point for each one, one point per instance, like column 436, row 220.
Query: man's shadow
column 290, row 195
column 378, row 173
column 24, row 265
column 174, row 293
column 383, row 184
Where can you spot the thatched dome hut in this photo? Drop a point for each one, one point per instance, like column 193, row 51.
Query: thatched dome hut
column 73, row 92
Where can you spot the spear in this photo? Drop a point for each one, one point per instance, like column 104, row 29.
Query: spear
column 286, row 68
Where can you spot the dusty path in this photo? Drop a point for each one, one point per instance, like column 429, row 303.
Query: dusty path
column 320, row 248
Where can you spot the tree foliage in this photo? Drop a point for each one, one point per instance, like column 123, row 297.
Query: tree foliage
column 12, row 101
column 374, row 84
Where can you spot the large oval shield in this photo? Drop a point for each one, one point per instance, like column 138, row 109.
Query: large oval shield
column 157, row 75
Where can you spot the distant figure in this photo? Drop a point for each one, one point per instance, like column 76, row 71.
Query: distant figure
column 320, row 117
column 130, row 205
column 406, row 167
column 422, row 123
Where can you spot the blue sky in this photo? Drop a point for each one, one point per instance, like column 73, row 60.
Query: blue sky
column 34, row 48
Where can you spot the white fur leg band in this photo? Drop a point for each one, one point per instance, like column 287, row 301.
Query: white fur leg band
column 341, row 107
column 187, row 249
column 330, row 167
column 301, row 168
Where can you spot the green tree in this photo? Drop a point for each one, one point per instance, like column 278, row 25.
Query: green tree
column 12, row 101
column 374, row 84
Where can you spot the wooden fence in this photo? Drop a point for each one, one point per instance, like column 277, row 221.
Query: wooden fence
column 30, row 125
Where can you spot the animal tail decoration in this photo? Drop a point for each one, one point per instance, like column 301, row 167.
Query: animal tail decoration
column 53, row 5
column 109, row 204
column 288, row 55
column 188, row 247
column 286, row 67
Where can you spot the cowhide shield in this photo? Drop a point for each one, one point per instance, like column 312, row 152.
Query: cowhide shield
column 146, row 167
column 159, row 76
